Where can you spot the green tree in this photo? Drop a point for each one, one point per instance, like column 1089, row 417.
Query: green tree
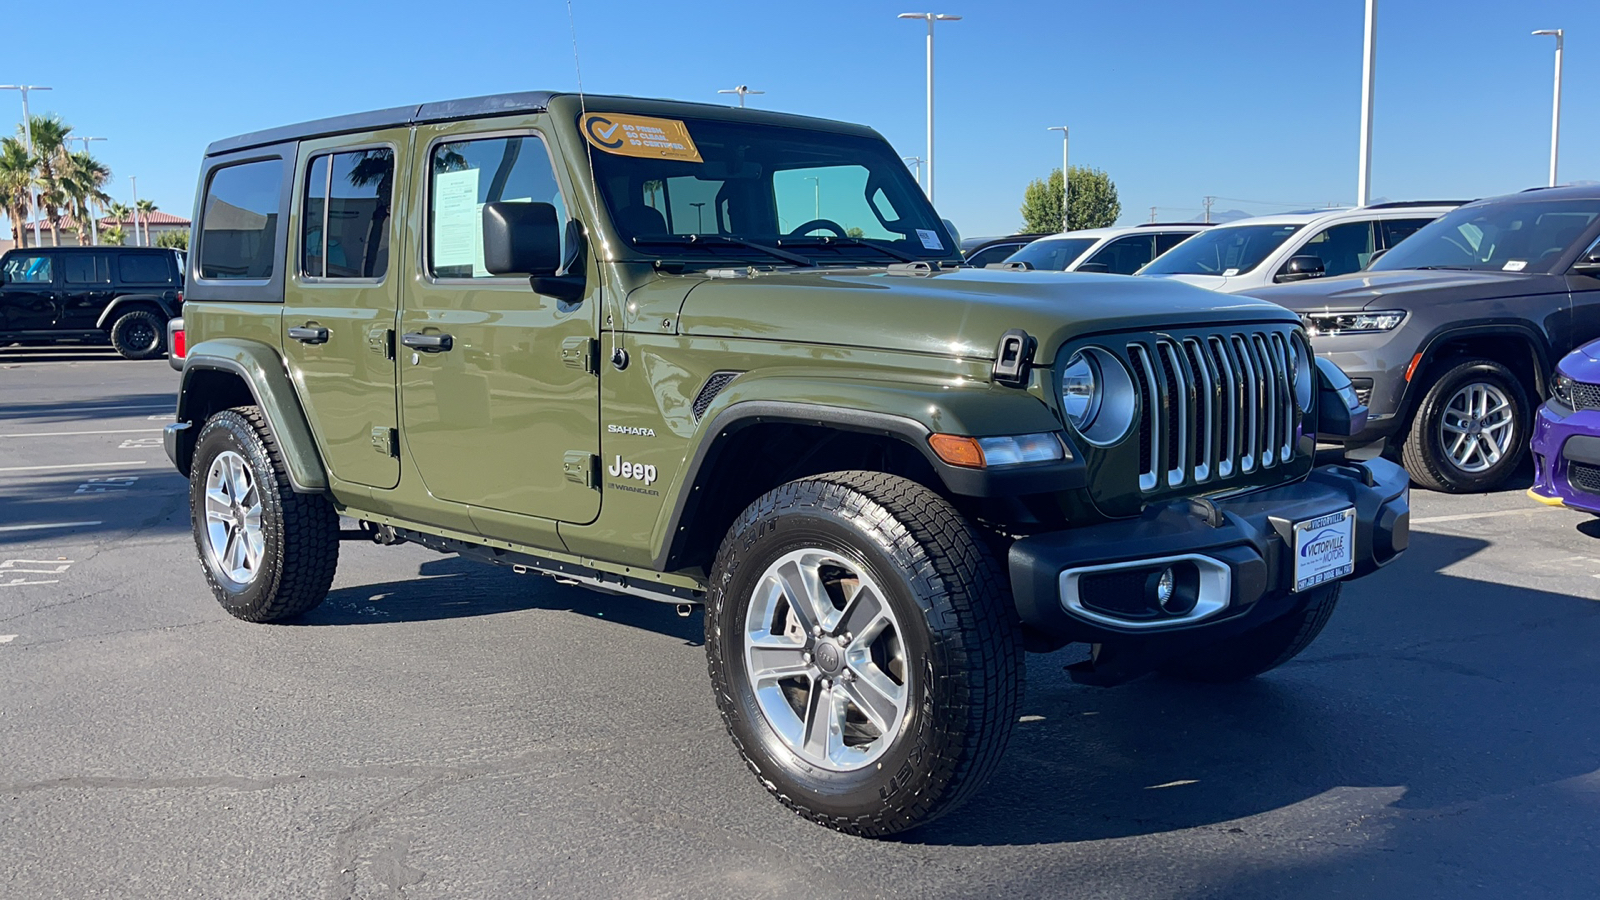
column 16, row 177
column 1094, row 202
column 146, row 207
column 176, row 240
column 83, row 182
column 50, row 151
column 114, row 236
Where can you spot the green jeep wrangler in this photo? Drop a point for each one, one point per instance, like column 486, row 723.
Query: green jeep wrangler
column 726, row 357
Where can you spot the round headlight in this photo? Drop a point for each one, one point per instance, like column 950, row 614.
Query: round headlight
column 1098, row 398
column 1300, row 372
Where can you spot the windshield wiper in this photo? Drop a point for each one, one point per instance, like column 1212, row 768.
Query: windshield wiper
column 831, row 241
column 689, row 240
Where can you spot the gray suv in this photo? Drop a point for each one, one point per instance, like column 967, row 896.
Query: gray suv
column 1450, row 337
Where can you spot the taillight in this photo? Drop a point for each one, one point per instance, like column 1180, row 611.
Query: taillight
column 180, row 348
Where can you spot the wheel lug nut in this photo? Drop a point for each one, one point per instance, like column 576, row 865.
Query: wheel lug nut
column 806, row 657
column 827, row 685
column 816, row 631
column 844, row 638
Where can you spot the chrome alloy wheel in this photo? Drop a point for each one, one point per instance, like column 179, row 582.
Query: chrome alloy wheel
column 234, row 539
column 825, row 659
column 1477, row 427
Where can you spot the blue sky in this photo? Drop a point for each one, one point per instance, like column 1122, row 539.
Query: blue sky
column 1257, row 100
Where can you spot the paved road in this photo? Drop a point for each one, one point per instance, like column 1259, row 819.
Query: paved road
column 439, row 729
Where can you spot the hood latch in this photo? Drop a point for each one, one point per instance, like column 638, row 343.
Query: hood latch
column 1013, row 358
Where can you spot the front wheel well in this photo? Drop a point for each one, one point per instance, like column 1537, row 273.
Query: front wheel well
column 744, row 464
column 1514, row 350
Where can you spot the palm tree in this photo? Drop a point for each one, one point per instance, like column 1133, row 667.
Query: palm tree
column 16, row 177
column 146, row 207
column 50, row 152
column 113, row 236
column 83, row 182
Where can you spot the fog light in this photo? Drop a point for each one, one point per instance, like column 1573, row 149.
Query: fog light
column 1172, row 594
column 1164, row 586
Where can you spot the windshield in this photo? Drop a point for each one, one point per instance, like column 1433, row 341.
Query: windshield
column 1049, row 255
column 699, row 188
column 1224, row 251
column 1510, row 236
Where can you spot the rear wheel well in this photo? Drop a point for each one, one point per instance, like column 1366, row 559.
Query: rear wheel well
column 747, row 463
column 128, row 307
column 205, row 393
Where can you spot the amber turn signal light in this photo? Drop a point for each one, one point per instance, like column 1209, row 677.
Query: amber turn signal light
column 958, row 450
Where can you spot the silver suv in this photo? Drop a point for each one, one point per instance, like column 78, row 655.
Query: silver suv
column 1117, row 251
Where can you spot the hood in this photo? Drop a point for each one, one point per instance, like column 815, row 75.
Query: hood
column 954, row 312
column 1400, row 287
column 1583, row 363
column 1210, row 282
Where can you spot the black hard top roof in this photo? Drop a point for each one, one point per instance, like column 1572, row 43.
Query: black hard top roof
column 500, row 104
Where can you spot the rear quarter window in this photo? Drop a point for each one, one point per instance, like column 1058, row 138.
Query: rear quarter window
column 145, row 268
column 239, row 221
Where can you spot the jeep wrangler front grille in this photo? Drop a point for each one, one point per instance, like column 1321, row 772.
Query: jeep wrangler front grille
column 1214, row 406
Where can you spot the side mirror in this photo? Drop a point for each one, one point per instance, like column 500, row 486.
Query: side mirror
column 4, row 278
column 521, row 238
column 1339, row 410
column 1302, row 267
column 1100, row 268
column 955, row 235
column 1588, row 264
column 1376, row 255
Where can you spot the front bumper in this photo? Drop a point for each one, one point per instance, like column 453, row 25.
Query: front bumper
column 1242, row 544
column 1563, row 439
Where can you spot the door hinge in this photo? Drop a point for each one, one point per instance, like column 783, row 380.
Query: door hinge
column 386, row 441
column 581, row 467
column 579, row 353
column 382, row 342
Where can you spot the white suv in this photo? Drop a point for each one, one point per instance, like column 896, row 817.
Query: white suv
column 1264, row 250
column 1119, row 251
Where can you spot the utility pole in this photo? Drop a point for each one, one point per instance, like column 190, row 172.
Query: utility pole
column 1066, row 182
column 917, row 161
column 135, row 181
column 1555, row 114
column 741, row 90
column 1369, row 61
column 1152, row 215
column 27, row 139
column 930, row 18
column 1208, row 202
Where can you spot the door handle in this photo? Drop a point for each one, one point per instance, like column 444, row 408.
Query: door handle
column 427, row 343
column 309, row 334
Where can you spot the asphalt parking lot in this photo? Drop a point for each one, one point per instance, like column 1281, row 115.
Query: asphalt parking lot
column 441, row 729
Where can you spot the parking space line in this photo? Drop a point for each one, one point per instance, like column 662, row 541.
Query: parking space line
column 98, row 465
column 48, row 525
column 1530, row 511
column 7, row 638
column 82, row 433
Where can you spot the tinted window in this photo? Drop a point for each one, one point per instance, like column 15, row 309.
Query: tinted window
column 85, row 268
column 346, row 231
column 28, row 270
column 468, row 174
column 1342, row 248
column 144, row 268
column 992, row 254
column 1125, row 255
column 833, row 194
column 1396, row 230
column 1052, row 254
column 1166, row 240
column 239, row 221
column 1222, row 251
column 1507, row 235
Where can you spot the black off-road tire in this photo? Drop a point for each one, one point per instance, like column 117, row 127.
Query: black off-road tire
column 139, row 334
column 1263, row 648
column 301, row 530
column 962, row 637
column 1423, row 454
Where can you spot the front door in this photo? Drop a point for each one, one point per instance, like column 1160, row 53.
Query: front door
column 341, row 297
column 494, row 415
column 29, row 296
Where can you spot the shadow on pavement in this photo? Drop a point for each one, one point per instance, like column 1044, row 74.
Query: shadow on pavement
column 92, row 408
column 1466, row 690
column 59, row 353
column 453, row 588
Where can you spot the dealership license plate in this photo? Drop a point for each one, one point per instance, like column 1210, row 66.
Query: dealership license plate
column 1324, row 549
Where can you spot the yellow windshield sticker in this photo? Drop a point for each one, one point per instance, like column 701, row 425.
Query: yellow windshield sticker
column 640, row 136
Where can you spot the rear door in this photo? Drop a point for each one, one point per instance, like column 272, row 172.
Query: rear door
column 501, row 412
column 30, row 295
column 341, row 297
column 86, row 288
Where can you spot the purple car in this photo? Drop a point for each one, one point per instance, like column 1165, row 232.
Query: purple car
column 1566, row 436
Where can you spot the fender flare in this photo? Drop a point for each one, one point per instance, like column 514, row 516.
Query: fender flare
column 115, row 307
column 1519, row 329
column 908, row 413
column 261, row 369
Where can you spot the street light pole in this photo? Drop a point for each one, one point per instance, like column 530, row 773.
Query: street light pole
column 1066, row 185
column 915, row 161
column 27, row 139
column 930, row 18
column 741, row 90
column 816, row 183
column 1369, row 61
column 94, row 222
column 699, row 217
column 1555, row 115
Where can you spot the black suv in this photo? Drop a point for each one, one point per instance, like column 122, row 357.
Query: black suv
column 1450, row 337
column 91, row 293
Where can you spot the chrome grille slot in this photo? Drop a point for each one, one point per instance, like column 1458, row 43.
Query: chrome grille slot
column 1213, row 406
